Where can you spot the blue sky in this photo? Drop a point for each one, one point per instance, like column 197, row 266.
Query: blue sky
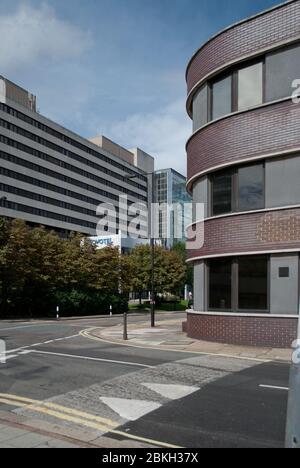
column 114, row 67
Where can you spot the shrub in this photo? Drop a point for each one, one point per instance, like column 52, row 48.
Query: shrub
column 77, row 302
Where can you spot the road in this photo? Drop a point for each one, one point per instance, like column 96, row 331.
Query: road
column 56, row 376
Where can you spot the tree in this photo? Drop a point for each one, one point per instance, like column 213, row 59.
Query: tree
column 169, row 270
column 108, row 270
column 77, row 263
column 140, row 264
column 29, row 267
column 15, row 263
column 180, row 249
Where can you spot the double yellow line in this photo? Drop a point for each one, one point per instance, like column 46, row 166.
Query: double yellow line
column 75, row 416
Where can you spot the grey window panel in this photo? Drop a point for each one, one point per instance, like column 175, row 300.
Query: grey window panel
column 222, row 97
column 250, row 86
column 282, row 182
column 200, row 108
column 282, row 68
column 251, row 187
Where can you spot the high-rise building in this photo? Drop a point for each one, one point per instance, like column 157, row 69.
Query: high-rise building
column 244, row 166
column 51, row 176
column 175, row 206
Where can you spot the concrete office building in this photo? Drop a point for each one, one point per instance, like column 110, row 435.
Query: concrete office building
column 244, row 165
column 175, row 214
column 53, row 177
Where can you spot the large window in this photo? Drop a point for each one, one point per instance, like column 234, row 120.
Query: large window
column 222, row 192
column 250, row 187
column 239, row 284
column 240, row 189
column 269, row 79
column 222, row 97
column 200, row 108
column 282, row 68
column 250, row 86
column 253, row 283
column 220, row 284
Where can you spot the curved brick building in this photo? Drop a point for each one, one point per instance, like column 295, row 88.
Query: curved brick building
column 244, row 165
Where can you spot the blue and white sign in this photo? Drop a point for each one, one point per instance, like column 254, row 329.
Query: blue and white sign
column 101, row 242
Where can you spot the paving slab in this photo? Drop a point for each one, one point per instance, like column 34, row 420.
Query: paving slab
column 169, row 335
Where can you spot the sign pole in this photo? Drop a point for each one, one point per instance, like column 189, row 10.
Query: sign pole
column 293, row 414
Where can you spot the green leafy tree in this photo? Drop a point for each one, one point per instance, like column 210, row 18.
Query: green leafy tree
column 169, row 270
column 180, row 249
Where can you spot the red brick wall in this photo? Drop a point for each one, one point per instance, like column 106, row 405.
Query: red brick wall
column 260, row 132
column 248, row 331
column 255, row 232
column 245, row 39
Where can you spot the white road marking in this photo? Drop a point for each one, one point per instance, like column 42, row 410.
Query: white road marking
column 130, row 409
column 25, row 326
column 11, row 353
column 88, row 358
column 10, row 357
column 172, row 392
column 40, row 344
column 274, row 387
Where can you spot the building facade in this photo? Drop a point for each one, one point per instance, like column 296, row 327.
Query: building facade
column 53, row 177
column 175, row 214
column 244, row 166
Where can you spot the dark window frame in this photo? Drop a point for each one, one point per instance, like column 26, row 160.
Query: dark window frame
column 210, row 97
column 235, row 287
column 235, row 189
column 233, row 72
column 248, row 64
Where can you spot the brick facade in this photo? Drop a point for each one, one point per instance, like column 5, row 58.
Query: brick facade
column 265, row 331
column 255, row 232
column 247, row 38
column 267, row 130
column 263, row 132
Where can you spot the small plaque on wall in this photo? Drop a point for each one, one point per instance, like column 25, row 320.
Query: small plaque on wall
column 284, row 272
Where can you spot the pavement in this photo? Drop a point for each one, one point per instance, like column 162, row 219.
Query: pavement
column 18, row 436
column 65, row 384
column 168, row 335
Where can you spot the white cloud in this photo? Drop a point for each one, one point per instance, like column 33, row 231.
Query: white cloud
column 32, row 34
column 163, row 134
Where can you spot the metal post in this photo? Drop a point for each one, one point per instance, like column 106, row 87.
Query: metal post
column 57, row 313
column 152, row 255
column 125, row 332
column 152, row 240
column 152, row 284
column 293, row 414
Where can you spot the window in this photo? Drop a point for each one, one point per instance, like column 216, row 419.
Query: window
column 251, row 188
column 200, row 108
column 222, row 192
column 250, row 86
column 239, row 284
column 282, row 68
column 266, row 80
column 253, row 283
column 222, row 97
column 220, row 284
column 241, row 189
column 19, row 115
